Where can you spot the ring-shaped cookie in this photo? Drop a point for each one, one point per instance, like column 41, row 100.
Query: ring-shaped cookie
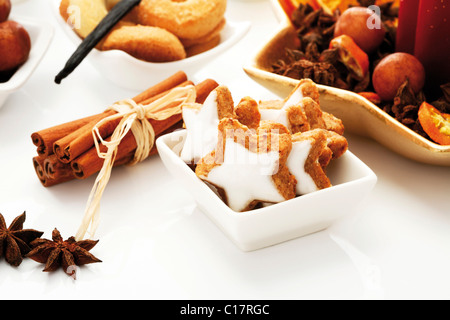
column 187, row 19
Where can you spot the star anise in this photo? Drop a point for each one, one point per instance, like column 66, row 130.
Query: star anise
column 66, row 253
column 319, row 72
column 312, row 58
column 443, row 102
column 315, row 29
column 313, row 26
column 405, row 107
column 14, row 241
column 366, row 3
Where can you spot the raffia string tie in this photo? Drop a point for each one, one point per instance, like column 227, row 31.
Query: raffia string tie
column 134, row 117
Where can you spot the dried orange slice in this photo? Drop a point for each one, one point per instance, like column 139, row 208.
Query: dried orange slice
column 371, row 96
column 330, row 6
column 396, row 3
column 354, row 58
column 313, row 3
column 288, row 6
column 435, row 123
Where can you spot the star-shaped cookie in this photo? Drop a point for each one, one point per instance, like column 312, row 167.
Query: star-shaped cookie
column 249, row 166
column 304, row 161
column 287, row 111
column 301, row 111
column 201, row 122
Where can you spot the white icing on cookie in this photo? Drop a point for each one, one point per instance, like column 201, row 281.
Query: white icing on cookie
column 246, row 176
column 296, row 165
column 280, row 115
column 201, row 125
column 276, row 115
column 294, row 99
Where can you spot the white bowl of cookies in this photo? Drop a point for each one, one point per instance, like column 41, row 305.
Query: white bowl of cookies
column 266, row 172
column 23, row 44
column 152, row 41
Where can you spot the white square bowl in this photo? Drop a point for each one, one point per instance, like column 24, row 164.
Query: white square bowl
column 352, row 180
column 130, row 73
column 41, row 33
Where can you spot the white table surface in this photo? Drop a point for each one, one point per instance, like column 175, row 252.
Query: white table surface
column 155, row 243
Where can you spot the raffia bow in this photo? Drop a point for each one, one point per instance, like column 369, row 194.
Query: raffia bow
column 134, row 117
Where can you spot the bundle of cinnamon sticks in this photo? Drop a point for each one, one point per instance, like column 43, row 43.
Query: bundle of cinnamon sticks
column 67, row 151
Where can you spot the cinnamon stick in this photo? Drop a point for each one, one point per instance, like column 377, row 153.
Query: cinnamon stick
column 204, row 88
column 51, row 170
column 38, row 164
column 163, row 86
column 45, row 139
column 56, row 170
column 89, row 163
column 46, row 180
column 74, row 144
column 151, row 99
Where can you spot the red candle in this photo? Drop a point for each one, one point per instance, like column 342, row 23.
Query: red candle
column 406, row 30
column 432, row 45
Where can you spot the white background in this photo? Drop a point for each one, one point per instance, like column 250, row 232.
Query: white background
column 155, row 244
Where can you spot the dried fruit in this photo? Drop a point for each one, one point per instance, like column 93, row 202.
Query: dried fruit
column 288, row 6
column 15, row 45
column 330, row 6
column 435, row 123
column 355, row 59
column 68, row 254
column 393, row 70
column 363, row 26
column 371, row 96
column 5, row 9
column 15, row 241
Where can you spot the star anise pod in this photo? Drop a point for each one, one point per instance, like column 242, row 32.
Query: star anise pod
column 15, row 241
column 300, row 14
column 319, row 72
column 66, row 253
column 405, row 107
column 446, row 91
column 406, row 104
column 443, row 102
column 366, row 3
